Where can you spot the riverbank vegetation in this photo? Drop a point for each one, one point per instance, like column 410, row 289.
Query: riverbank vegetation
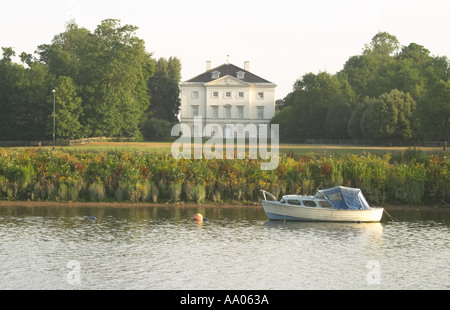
column 410, row 177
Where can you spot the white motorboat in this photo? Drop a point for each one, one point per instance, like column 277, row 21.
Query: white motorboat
column 336, row 204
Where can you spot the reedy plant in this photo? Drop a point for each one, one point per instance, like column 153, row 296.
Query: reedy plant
column 155, row 177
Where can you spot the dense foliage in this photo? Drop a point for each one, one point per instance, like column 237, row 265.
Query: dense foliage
column 104, row 81
column 389, row 92
column 412, row 178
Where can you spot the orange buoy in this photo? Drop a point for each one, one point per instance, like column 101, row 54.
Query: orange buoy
column 198, row 217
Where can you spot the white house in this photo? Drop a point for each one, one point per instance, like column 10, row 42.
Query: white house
column 225, row 95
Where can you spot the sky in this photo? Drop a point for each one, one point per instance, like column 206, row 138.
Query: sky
column 282, row 40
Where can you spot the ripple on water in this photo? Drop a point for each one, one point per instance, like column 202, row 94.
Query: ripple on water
column 125, row 251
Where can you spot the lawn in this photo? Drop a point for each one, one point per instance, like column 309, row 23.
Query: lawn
column 296, row 149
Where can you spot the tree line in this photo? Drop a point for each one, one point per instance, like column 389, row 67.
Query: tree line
column 107, row 84
column 104, row 82
column 388, row 92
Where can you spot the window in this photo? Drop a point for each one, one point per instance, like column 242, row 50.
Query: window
column 215, row 112
column 228, row 131
column 309, row 203
column 262, row 131
column 260, row 113
column 197, row 131
column 228, row 112
column 194, row 110
column 194, row 95
column 325, row 204
column 260, row 95
column 215, row 74
column 294, row 202
column 240, row 112
column 240, row 95
column 227, row 94
column 335, row 197
column 240, row 75
column 240, row 129
column 215, row 94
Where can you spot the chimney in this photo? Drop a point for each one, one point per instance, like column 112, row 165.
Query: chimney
column 208, row 65
column 247, row 66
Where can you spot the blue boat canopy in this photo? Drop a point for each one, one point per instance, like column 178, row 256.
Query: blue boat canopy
column 345, row 198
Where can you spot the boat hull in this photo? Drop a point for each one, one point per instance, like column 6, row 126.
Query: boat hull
column 278, row 211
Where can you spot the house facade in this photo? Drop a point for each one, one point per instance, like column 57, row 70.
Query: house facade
column 226, row 95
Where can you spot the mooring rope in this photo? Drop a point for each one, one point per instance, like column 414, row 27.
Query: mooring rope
column 390, row 216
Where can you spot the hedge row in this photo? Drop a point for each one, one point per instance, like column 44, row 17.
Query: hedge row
column 134, row 176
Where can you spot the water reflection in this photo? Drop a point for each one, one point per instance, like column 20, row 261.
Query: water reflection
column 330, row 226
column 236, row 248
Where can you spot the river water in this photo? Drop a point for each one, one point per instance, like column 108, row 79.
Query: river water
column 89, row 248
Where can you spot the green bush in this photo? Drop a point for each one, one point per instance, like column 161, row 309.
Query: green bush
column 154, row 128
column 132, row 176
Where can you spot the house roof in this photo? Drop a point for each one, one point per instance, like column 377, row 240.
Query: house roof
column 227, row 69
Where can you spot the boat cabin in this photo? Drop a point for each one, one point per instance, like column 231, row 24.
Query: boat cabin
column 306, row 201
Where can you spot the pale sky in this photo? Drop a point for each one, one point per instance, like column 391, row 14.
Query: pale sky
column 283, row 40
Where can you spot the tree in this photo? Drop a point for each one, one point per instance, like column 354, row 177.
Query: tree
column 26, row 58
column 164, row 89
column 65, row 55
column 154, row 128
column 58, row 60
column 390, row 116
column 114, row 70
column 10, row 74
column 338, row 115
column 8, row 53
column 102, row 73
column 68, row 110
column 354, row 122
column 379, row 88
column 314, row 95
column 408, row 78
column 372, row 73
column 306, row 110
column 31, row 109
column 285, row 118
column 362, row 73
column 434, row 113
column 435, row 70
column 279, row 104
column 109, row 70
column 174, row 69
column 23, row 110
column 416, row 53
column 382, row 44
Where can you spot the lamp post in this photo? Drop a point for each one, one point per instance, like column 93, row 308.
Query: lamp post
column 54, row 103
